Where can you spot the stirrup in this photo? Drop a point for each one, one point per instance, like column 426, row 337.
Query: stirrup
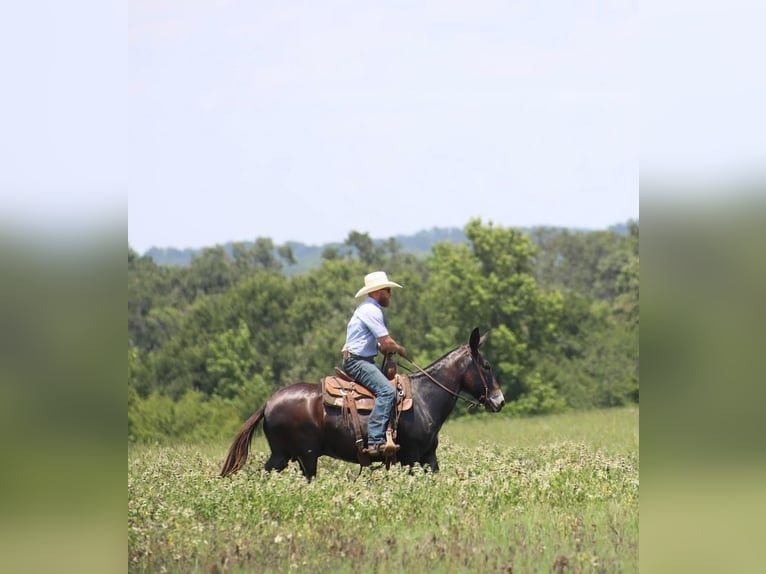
column 390, row 449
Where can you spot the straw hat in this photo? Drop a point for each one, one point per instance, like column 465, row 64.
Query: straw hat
column 374, row 282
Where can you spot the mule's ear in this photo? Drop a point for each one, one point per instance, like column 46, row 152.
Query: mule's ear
column 474, row 341
column 483, row 339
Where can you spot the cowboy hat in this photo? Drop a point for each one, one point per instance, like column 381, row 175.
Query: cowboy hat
column 374, row 282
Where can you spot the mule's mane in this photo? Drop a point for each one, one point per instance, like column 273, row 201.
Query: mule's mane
column 439, row 363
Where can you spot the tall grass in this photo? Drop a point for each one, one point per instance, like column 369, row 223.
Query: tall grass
column 546, row 494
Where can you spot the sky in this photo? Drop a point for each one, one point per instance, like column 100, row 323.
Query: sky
column 303, row 121
column 62, row 105
column 216, row 120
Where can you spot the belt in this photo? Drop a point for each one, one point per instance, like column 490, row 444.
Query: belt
column 347, row 355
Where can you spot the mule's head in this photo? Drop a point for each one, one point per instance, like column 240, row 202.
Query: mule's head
column 479, row 379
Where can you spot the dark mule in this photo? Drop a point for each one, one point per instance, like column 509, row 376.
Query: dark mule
column 300, row 428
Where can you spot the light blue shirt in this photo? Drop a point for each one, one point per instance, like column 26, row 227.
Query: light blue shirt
column 364, row 329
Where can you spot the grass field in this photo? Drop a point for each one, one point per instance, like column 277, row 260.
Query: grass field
column 546, row 494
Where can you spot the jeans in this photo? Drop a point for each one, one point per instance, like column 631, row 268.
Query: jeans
column 369, row 375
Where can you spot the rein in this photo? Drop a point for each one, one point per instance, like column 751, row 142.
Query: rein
column 471, row 402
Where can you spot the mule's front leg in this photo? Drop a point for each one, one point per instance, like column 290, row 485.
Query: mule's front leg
column 431, row 460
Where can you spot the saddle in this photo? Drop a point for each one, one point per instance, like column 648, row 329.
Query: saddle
column 341, row 391
column 338, row 388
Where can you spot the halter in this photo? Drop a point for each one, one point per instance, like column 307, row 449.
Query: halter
column 471, row 402
column 483, row 397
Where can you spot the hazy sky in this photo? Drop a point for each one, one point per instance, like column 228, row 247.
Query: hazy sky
column 306, row 120
column 222, row 120
column 62, row 113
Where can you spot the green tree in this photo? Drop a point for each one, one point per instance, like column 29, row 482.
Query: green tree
column 588, row 263
column 210, row 272
column 490, row 285
column 231, row 360
column 331, row 253
column 323, row 303
column 260, row 256
column 286, row 253
column 263, row 301
column 365, row 249
column 151, row 287
column 627, row 281
column 232, row 363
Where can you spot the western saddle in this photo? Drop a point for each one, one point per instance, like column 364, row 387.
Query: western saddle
column 341, row 391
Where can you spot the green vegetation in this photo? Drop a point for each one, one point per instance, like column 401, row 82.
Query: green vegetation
column 307, row 257
column 209, row 342
column 554, row 493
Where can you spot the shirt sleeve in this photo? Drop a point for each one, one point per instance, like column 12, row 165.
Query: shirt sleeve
column 372, row 317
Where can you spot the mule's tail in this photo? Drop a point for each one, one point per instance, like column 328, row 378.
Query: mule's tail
column 238, row 451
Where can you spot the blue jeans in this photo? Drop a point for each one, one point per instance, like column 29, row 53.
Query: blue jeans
column 369, row 375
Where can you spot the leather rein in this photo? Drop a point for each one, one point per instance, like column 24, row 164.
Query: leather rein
column 471, row 402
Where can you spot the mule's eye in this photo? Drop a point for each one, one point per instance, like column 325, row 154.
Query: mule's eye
column 485, row 364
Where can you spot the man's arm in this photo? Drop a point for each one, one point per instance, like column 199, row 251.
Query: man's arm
column 388, row 345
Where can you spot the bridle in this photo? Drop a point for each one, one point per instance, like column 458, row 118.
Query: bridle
column 472, row 403
column 474, row 360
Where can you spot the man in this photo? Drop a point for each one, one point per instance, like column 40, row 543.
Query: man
column 365, row 334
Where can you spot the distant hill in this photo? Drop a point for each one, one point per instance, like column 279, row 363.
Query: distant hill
column 310, row 256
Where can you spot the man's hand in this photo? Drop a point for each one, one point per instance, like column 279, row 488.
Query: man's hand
column 388, row 345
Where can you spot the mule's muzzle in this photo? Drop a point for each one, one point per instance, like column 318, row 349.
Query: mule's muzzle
column 495, row 402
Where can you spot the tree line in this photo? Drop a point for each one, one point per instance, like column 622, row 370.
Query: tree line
column 209, row 342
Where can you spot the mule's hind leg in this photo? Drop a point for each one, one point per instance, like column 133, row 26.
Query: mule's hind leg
column 308, row 462
column 276, row 462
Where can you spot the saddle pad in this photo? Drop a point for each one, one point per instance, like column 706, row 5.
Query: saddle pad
column 334, row 390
